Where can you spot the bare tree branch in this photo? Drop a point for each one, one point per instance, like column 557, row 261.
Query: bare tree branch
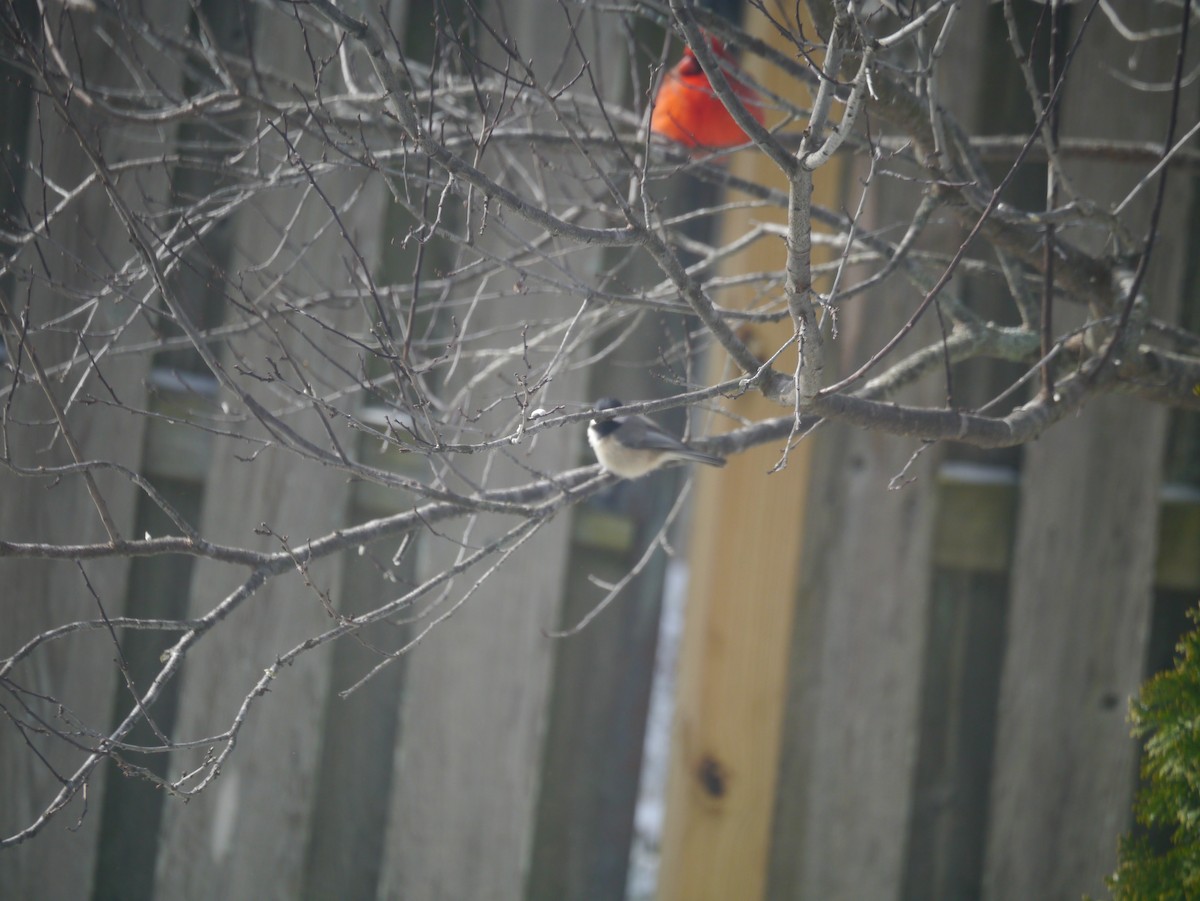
column 400, row 265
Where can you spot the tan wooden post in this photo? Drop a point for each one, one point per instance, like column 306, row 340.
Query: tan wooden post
column 743, row 584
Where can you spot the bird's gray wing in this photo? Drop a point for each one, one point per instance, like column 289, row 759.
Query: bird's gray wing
column 642, row 432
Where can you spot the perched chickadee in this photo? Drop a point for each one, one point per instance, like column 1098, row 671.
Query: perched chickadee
column 631, row 446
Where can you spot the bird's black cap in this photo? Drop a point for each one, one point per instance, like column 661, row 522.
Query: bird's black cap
column 606, row 403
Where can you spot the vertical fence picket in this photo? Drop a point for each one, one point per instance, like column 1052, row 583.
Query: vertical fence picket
column 246, row 835
column 73, row 257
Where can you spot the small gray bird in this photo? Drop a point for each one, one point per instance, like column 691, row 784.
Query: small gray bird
column 631, row 446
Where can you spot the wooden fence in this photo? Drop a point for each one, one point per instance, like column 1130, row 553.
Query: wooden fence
column 960, row 651
column 918, row 693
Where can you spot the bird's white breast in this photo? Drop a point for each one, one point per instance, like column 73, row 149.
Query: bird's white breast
column 626, row 462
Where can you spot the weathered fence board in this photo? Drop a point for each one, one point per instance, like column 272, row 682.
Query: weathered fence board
column 1083, row 566
column 476, row 690
column 1080, row 604
column 860, row 677
column 245, row 835
column 81, row 250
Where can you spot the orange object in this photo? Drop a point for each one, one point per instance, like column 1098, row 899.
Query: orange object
column 688, row 112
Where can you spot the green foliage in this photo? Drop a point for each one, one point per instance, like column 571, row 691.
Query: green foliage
column 1167, row 717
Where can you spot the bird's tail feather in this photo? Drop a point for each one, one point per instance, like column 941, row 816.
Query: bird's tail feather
column 698, row 457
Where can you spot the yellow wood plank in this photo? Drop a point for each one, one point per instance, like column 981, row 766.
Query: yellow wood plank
column 1178, row 561
column 976, row 509
column 744, row 550
column 733, row 676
